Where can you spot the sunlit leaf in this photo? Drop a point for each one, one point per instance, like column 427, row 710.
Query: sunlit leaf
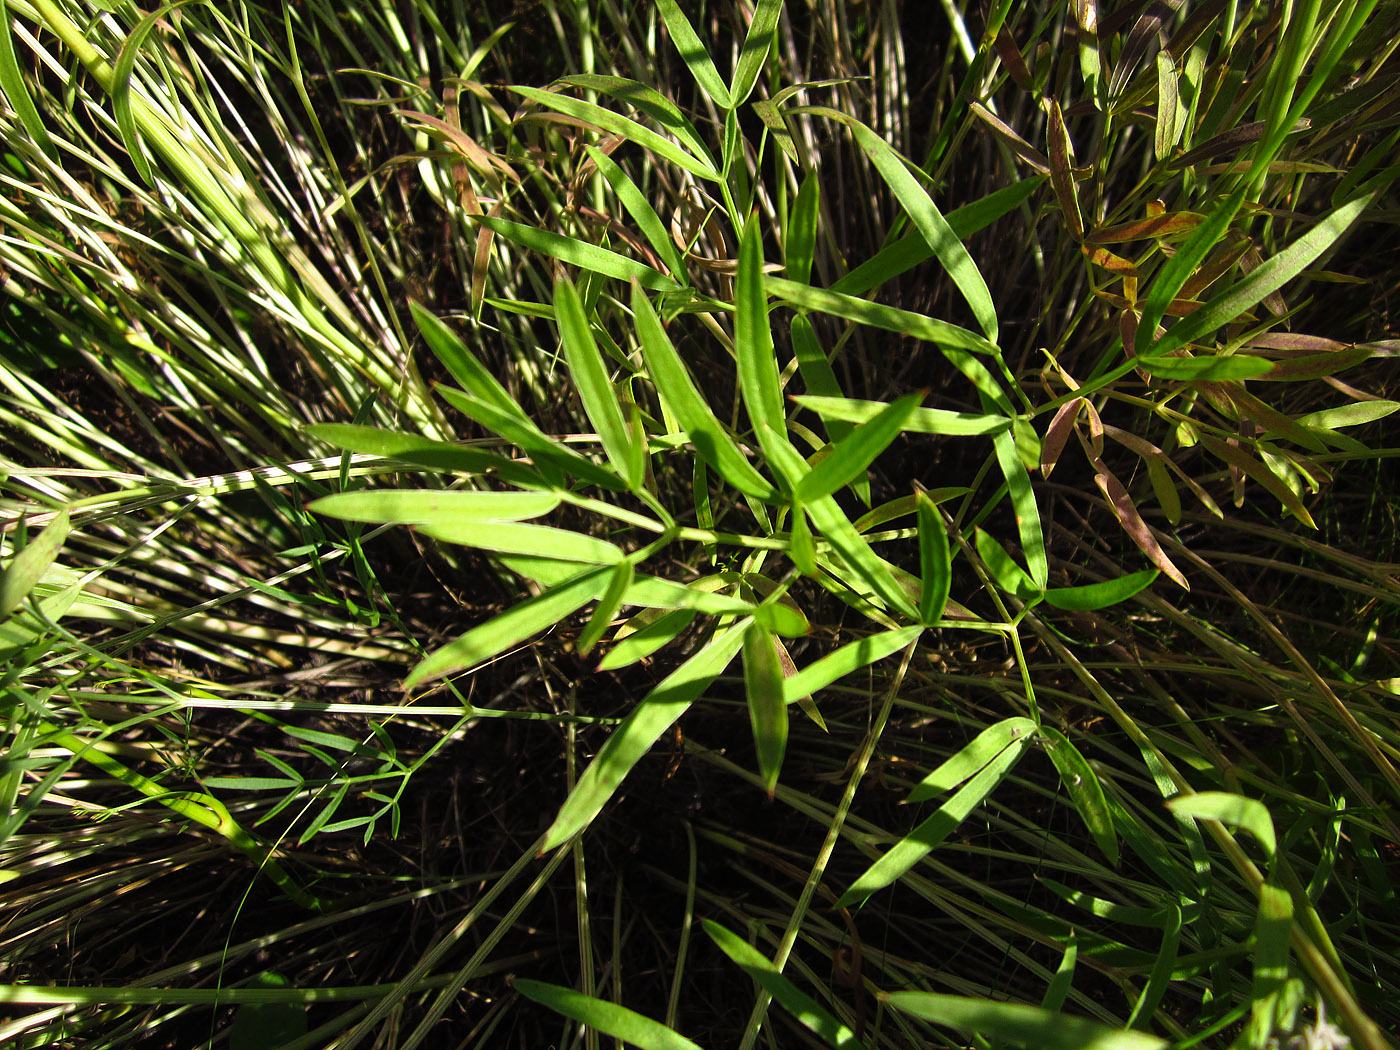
column 1019, row 1024
column 607, row 1017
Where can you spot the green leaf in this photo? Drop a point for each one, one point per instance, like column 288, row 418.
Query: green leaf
column 850, row 657
column 1353, row 415
column 831, row 521
column 541, row 541
column 912, row 249
column 863, row 311
column 1237, row 811
column 1194, row 369
column 935, row 561
column 27, row 567
column 924, row 838
column 630, row 130
column 609, row 1018
column 545, row 451
column 1023, row 503
column 642, row 643
column 16, row 91
column 1084, row 789
column 1273, row 931
column 607, row 608
column 789, row 996
column 753, row 347
column 1100, row 595
column 919, row 421
column 1020, row 1024
column 655, row 714
column 801, row 240
column 851, row 457
column 434, row 507
column 580, row 253
column 757, row 43
column 678, row 391
column 512, row 627
column 265, row 1026
column 436, row 455
column 763, row 684
column 931, row 224
column 643, row 214
column 1263, row 280
column 783, row 619
column 651, row 102
column 464, row 366
column 693, row 53
column 594, row 386
column 121, row 88
column 1009, row 576
column 984, row 747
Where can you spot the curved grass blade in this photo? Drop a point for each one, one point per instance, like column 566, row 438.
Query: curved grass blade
column 801, row 240
column 768, row 977
column 1019, row 1024
column 924, row 838
column 763, row 685
column 753, row 347
column 920, row 420
column 1273, row 929
column 1101, row 595
column 121, row 89
column 929, row 221
column 693, row 53
column 579, row 253
column 863, row 311
column 610, row 1018
column 851, row 457
column 1084, row 789
column 674, row 385
column 643, row 214
column 816, row 370
column 539, row 446
column 1161, row 976
column 629, row 129
column 651, row 102
column 431, row 507
column 1023, row 502
column 1237, row 811
column 1009, row 576
column 655, row 714
column 594, row 386
column 17, row 92
column 757, row 43
column 510, row 628
column 540, row 541
column 28, row 566
column 935, row 560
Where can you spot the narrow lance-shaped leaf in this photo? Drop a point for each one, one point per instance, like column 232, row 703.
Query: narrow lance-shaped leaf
column 432, row 507
column 789, row 996
column 1235, row 810
column 753, row 347
column 1024, row 504
column 850, row 657
column 541, row 541
column 655, row 714
column 800, row 243
column 512, row 627
column 917, row 844
column 974, row 756
column 580, row 253
column 595, row 388
column 121, row 89
column 1009, row 576
column 763, row 683
column 610, row 1018
column 693, row 53
column 1273, row 929
column 1084, row 789
column 643, row 214
column 16, row 91
column 1020, row 1024
column 929, row 221
column 757, row 43
column 862, row 311
column 1100, row 595
column 1263, row 280
column 464, row 366
column 28, row 566
column 678, row 391
column 851, row 457
column 436, row 455
column 935, row 560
